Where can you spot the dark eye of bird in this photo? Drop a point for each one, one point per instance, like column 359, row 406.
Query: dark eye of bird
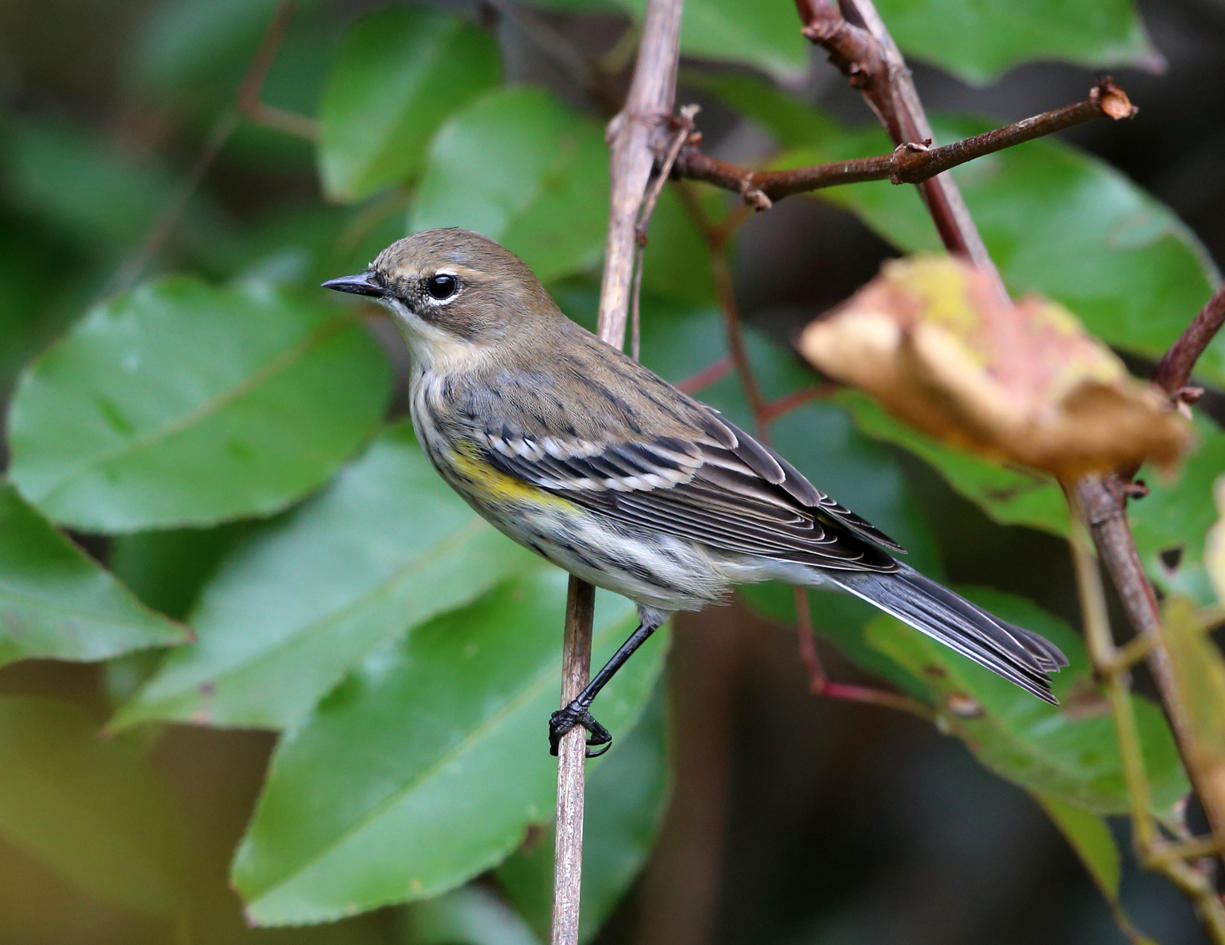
column 441, row 286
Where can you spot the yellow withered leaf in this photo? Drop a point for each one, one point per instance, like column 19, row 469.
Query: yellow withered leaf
column 1021, row 382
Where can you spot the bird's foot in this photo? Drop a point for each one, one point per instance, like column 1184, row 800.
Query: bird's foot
column 574, row 714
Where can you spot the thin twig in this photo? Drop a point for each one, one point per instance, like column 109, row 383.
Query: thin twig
column 684, row 127
column 910, row 163
column 711, row 374
column 820, row 684
column 651, row 95
column 249, row 104
column 725, row 290
column 1173, row 372
column 168, row 217
column 797, row 398
column 571, row 768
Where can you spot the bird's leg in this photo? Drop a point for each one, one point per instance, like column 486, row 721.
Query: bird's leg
column 577, row 712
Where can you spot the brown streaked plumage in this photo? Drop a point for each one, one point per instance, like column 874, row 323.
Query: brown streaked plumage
column 592, row 460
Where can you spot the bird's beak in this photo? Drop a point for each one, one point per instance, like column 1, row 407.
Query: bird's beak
column 361, row 284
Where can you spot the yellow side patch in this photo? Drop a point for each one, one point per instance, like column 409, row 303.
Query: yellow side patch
column 494, row 484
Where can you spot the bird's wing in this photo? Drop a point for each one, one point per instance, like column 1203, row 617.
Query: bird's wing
column 718, row 486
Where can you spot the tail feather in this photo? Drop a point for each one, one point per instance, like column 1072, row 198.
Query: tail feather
column 1019, row 655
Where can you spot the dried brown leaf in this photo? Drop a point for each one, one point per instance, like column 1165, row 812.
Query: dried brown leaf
column 1022, row 382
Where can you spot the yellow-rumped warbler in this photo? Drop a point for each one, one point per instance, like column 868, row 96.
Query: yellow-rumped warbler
column 583, row 455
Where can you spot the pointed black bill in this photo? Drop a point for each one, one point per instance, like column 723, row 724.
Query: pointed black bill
column 361, row 284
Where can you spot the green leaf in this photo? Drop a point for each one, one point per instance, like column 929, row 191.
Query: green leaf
column 764, row 35
column 1177, row 513
column 1059, row 223
column 183, row 404
column 91, row 194
column 302, row 600
column 56, row 602
column 792, row 121
column 1198, row 669
column 184, row 44
column 1069, row 752
column 398, row 75
column 90, row 809
column 978, row 41
column 167, row 569
column 470, row 915
column 1090, row 837
column 545, row 196
column 1010, row 496
column 624, row 809
column 425, row 768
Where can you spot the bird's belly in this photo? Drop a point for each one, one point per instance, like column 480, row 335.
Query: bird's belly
column 649, row 568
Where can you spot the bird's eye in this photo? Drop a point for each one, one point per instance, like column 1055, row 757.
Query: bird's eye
column 442, row 286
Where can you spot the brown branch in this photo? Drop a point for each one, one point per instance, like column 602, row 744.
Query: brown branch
column 820, row 684
column 167, row 219
column 571, row 768
column 716, row 238
column 711, row 374
column 249, row 104
column 909, row 163
column 684, row 126
column 797, row 398
column 871, row 60
column 1173, row 371
column 630, row 134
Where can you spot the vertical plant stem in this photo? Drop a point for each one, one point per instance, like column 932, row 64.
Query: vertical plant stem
column 630, row 135
column 1103, row 654
column 571, row 768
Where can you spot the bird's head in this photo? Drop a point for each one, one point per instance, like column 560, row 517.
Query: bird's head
column 454, row 293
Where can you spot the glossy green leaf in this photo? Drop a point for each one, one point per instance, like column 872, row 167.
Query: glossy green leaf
column 56, row 602
column 1198, row 669
column 90, row 809
column 470, row 915
column 181, row 403
column 426, row 766
column 1069, row 752
column 302, row 600
column 545, row 196
column 764, row 35
column 399, row 74
column 623, row 812
column 1060, row 223
column 167, row 569
column 978, row 41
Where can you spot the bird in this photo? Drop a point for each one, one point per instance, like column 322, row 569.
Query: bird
column 582, row 454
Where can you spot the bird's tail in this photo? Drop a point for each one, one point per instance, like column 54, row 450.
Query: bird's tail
column 1019, row 655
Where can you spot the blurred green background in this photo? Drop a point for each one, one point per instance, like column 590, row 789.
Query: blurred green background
column 227, row 447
